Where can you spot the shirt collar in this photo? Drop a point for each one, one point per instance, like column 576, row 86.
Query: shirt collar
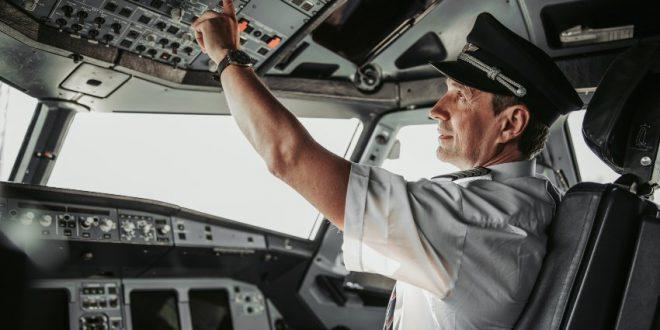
column 510, row 170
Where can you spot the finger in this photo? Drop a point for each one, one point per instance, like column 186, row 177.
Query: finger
column 228, row 8
column 205, row 16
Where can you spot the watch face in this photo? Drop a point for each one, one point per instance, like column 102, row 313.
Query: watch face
column 240, row 57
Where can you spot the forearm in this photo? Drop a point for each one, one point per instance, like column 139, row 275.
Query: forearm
column 291, row 154
column 289, row 151
column 271, row 129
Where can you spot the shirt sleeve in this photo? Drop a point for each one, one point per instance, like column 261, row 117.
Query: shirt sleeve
column 381, row 233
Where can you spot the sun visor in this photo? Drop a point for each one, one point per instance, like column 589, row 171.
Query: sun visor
column 622, row 123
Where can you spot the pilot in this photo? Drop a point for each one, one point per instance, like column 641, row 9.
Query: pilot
column 465, row 248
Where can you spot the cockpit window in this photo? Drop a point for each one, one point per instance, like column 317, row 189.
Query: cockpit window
column 16, row 110
column 200, row 162
column 416, row 154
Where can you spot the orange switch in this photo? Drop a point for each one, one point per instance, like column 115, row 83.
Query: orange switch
column 274, row 42
column 243, row 25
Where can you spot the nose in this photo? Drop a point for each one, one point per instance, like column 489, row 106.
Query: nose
column 439, row 110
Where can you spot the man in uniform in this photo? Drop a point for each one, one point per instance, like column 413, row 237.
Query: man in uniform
column 465, row 248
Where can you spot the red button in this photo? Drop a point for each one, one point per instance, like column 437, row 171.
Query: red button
column 274, row 42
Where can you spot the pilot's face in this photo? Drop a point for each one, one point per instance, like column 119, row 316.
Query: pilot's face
column 467, row 127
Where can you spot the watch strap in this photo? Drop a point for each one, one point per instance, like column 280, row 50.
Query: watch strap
column 223, row 64
column 228, row 60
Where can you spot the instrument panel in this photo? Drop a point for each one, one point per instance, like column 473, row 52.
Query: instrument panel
column 86, row 232
column 114, row 262
column 84, row 223
column 173, row 303
column 160, row 29
column 73, row 222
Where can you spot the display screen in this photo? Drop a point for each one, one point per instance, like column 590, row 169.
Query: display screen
column 209, row 309
column 154, row 310
column 54, row 317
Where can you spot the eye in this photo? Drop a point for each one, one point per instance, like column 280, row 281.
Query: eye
column 461, row 96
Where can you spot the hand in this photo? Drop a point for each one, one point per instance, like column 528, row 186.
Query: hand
column 217, row 33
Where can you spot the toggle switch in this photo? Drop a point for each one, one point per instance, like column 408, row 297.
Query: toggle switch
column 175, row 47
column 81, row 16
column 116, row 28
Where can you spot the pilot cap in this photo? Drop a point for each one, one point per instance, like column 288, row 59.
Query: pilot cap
column 498, row 61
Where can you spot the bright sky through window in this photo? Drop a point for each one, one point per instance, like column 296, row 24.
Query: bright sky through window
column 199, row 162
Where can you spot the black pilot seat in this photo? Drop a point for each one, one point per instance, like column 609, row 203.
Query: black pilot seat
column 602, row 268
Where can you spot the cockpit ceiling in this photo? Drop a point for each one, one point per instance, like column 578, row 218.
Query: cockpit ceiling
column 137, row 55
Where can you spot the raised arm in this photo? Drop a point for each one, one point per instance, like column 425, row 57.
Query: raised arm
column 290, row 152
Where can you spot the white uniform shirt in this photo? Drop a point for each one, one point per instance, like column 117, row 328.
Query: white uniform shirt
column 465, row 254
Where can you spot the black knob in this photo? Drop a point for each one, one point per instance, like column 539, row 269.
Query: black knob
column 116, row 28
column 140, row 48
column 163, row 42
column 67, row 10
column 92, row 34
column 99, row 21
column 161, row 26
column 108, row 37
column 188, row 50
column 61, row 22
column 76, row 27
column 152, row 52
column 176, row 60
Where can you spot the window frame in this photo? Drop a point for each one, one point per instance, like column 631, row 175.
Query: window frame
column 388, row 125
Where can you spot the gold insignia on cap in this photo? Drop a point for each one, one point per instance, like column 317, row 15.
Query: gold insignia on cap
column 470, row 48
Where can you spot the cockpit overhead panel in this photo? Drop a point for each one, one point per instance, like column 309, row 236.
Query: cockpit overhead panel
column 160, row 29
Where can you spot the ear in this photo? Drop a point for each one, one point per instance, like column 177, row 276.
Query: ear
column 513, row 121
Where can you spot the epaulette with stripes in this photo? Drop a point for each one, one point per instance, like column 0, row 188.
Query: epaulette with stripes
column 474, row 172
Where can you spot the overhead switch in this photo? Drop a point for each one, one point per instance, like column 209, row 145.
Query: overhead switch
column 99, row 21
column 274, row 42
column 116, row 28
column 81, row 16
column 243, row 25
column 67, row 10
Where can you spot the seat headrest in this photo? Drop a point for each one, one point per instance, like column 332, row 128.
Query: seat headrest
column 622, row 123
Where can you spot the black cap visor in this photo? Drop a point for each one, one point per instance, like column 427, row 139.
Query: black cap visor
column 464, row 73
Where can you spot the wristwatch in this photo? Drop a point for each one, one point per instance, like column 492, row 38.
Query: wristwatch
column 235, row 57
